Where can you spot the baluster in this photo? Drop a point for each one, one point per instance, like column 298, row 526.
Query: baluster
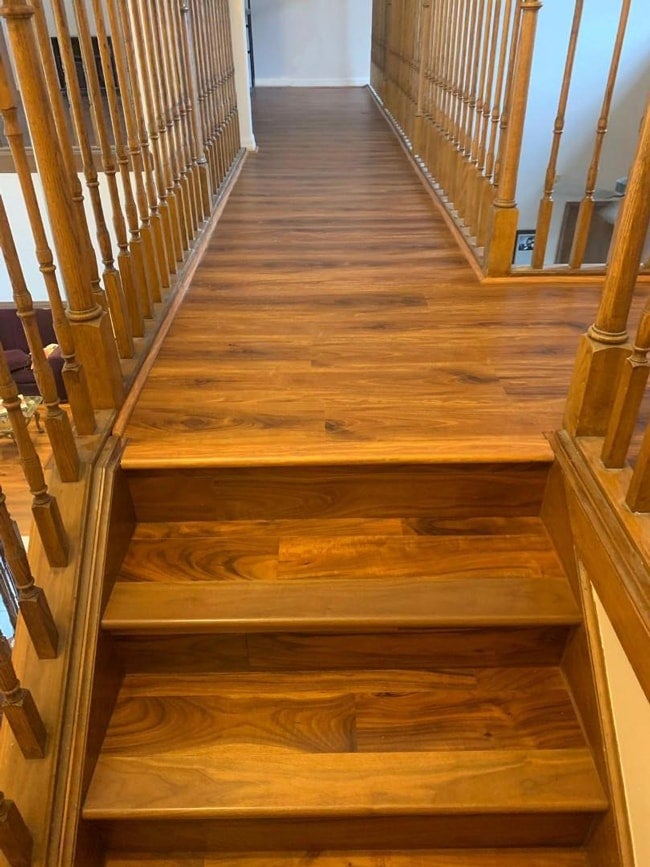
column 201, row 77
column 91, row 327
column 150, row 67
column 172, row 115
column 233, row 121
column 57, row 422
column 175, row 29
column 628, row 397
column 546, row 203
column 506, row 213
column 171, row 31
column 16, row 842
column 65, row 143
column 603, row 348
column 436, row 129
column 142, row 306
column 153, row 279
column 44, row 506
column 425, row 40
column 469, row 105
column 586, row 210
column 192, row 87
column 482, row 109
column 120, row 286
column 73, row 373
column 19, row 708
column 31, row 598
column 164, row 108
column 504, row 120
column 495, row 116
column 130, row 73
column 214, row 95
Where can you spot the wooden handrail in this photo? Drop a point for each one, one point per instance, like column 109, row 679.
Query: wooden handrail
column 31, row 598
column 19, row 708
column 16, row 842
column 92, row 332
column 56, row 420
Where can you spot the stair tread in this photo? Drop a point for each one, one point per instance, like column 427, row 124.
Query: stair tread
column 424, row 858
column 349, row 711
column 262, row 782
column 311, row 604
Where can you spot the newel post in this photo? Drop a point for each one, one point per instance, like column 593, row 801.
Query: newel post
column 606, row 344
column 91, row 326
column 505, row 214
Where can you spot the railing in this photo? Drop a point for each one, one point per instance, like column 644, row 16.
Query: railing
column 458, row 78
column 147, row 109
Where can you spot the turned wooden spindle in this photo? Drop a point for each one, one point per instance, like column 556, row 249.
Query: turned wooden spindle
column 171, row 114
column 19, row 708
column 506, row 214
column 587, row 205
column 16, row 842
column 212, row 122
column 470, row 99
column 192, row 77
column 57, row 422
column 157, row 274
column 73, row 373
column 92, row 331
column 233, row 118
column 134, row 98
column 478, row 149
column 146, row 47
column 120, row 285
column 44, row 506
column 66, row 145
column 546, row 203
column 171, row 25
column 196, row 40
column 628, row 396
column 140, row 307
column 31, row 598
column 422, row 77
column 603, row 349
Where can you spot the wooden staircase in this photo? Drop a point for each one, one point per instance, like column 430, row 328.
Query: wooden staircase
column 343, row 666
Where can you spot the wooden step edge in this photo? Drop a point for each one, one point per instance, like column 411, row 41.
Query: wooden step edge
column 366, row 605
column 497, row 450
column 360, row 858
column 232, row 784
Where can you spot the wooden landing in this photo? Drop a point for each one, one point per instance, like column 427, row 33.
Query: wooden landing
column 334, row 319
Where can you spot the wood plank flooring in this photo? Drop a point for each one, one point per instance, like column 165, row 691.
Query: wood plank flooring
column 334, row 320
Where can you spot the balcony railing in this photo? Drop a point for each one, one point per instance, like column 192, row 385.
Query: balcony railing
column 459, row 79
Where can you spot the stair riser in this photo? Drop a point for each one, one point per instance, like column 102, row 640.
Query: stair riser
column 295, row 652
column 270, row 493
column 167, row 835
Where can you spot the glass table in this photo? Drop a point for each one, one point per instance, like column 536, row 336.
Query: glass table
column 30, row 407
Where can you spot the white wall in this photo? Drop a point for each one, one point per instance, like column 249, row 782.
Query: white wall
column 632, row 721
column 598, row 29
column 310, row 43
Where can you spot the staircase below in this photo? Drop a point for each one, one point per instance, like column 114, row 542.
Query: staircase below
column 363, row 679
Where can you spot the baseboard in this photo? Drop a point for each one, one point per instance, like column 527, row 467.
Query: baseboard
column 311, row 82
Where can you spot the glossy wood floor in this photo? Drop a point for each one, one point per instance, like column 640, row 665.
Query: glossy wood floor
column 334, row 319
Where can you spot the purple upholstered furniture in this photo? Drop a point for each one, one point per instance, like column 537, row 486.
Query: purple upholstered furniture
column 16, row 350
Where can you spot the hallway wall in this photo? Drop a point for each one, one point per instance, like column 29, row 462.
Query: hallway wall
column 311, row 43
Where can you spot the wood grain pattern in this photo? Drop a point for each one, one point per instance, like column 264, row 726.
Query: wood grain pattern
column 424, row 858
column 263, row 783
column 324, row 326
column 371, row 711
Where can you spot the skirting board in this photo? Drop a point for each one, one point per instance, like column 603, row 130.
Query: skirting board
column 311, row 82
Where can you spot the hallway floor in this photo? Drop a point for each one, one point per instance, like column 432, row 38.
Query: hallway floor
column 334, row 319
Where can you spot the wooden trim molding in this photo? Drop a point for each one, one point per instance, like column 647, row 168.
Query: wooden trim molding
column 613, row 557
